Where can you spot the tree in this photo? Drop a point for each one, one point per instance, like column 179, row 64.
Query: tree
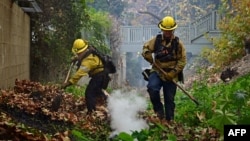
column 53, row 31
column 113, row 7
column 234, row 26
column 98, row 30
column 150, row 12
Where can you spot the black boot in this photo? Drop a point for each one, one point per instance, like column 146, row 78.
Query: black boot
column 156, row 102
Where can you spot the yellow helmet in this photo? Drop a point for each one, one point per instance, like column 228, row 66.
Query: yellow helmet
column 79, row 46
column 167, row 23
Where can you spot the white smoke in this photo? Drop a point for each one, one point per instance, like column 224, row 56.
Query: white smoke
column 124, row 108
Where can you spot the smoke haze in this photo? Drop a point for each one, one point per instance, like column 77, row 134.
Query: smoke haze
column 124, row 108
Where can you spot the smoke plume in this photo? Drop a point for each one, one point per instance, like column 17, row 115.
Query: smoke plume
column 124, row 108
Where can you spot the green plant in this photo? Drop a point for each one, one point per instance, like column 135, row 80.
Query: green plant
column 155, row 132
column 77, row 135
column 187, row 111
column 220, row 104
column 229, row 46
column 77, row 91
column 222, row 118
column 232, row 105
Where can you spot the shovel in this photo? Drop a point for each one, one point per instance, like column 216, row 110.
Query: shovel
column 67, row 77
column 58, row 98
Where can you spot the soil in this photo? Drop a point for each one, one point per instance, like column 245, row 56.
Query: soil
column 242, row 67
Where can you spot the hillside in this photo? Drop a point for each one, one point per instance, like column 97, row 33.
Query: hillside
column 237, row 69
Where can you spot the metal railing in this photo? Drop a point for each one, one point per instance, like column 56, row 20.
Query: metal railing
column 139, row 34
column 203, row 25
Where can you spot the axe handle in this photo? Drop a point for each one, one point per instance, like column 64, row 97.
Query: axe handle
column 67, row 77
column 105, row 92
column 190, row 96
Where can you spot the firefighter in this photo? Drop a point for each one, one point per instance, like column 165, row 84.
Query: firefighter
column 88, row 65
column 170, row 55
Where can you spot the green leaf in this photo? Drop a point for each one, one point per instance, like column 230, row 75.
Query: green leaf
column 125, row 136
column 171, row 137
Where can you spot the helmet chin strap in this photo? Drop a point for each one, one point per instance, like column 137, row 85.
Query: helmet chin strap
column 167, row 39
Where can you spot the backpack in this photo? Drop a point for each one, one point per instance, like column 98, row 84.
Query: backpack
column 175, row 47
column 109, row 65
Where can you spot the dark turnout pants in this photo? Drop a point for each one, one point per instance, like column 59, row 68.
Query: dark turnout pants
column 94, row 89
column 169, row 91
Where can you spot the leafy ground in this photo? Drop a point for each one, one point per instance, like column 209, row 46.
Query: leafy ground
column 35, row 112
column 32, row 111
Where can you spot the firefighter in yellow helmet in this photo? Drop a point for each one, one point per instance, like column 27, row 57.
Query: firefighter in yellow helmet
column 169, row 54
column 90, row 65
column 79, row 46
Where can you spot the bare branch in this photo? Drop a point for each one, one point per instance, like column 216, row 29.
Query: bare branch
column 151, row 14
column 163, row 9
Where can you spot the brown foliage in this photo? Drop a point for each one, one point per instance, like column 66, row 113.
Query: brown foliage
column 46, row 108
column 30, row 103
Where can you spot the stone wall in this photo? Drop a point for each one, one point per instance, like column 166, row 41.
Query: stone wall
column 14, row 44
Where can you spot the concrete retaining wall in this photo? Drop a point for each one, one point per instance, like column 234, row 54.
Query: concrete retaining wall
column 14, row 44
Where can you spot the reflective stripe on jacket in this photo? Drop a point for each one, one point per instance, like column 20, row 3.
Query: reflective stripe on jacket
column 90, row 65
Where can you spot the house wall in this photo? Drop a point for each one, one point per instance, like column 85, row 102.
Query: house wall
column 14, row 44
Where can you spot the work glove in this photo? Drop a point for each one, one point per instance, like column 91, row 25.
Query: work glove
column 65, row 85
column 170, row 75
column 74, row 59
column 146, row 74
column 150, row 60
column 148, row 57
